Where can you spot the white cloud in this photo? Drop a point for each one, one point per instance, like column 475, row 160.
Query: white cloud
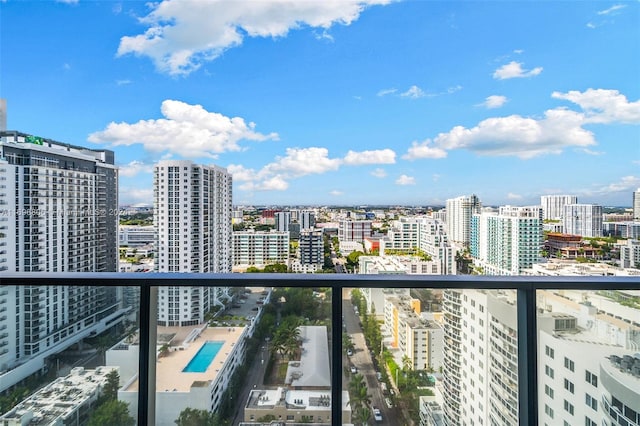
column 336, row 193
column 512, row 196
column 518, row 51
column 385, row 92
column 436, row 177
column 380, row 156
column 414, row 92
column 494, row 101
column 379, row 173
column 132, row 195
column 133, row 168
column 274, row 176
column 591, row 152
column 625, row 184
column 180, row 36
column 123, row 82
column 453, row 89
column 187, row 130
column 299, row 162
column 591, row 25
column 514, row 70
column 612, row 9
column 406, row 180
column 604, row 106
column 424, row 150
column 527, row 137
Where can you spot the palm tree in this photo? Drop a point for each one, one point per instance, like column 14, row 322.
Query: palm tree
column 407, row 364
column 361, row 416
column 358, row 392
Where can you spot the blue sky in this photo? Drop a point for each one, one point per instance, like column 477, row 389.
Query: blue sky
column 361, row 102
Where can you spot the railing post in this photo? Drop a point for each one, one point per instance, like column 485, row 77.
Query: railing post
column 336, row 354
column 527, row 356
column 147, row 355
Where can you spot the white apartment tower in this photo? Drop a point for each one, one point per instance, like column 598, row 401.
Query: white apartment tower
column 459, row 213
column 583, row 219
column 480, row 380
column 636, row 205
column 58, row 213
column 508, row 242
column 192, row 217
column 553, row 205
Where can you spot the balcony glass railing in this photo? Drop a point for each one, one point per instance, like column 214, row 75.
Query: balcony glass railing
column 523, row 305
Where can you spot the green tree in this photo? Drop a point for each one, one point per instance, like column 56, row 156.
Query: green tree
column 361, row 416
column 110, row 389
column 112, row 412
column 276, row 268
column 194, row 417
column 358, row 392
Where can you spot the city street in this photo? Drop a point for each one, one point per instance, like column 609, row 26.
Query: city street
column 363, row 361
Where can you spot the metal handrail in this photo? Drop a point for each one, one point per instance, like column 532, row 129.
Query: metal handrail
column 525, row 286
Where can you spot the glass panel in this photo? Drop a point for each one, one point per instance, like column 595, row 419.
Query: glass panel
column 59, row 348
column 258, row 354
column 590, row 340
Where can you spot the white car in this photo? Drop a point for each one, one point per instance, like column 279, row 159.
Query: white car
column 349, row 352
column 377, row 415
column 354, row 370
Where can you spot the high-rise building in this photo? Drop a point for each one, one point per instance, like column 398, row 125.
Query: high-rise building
column 58, row 213
column 192, row 216
column 310, row 251
column 636, row 205
column 583, row 219
column 459, row 213
column 507, row 242
column 283, row 220
column 553, row 205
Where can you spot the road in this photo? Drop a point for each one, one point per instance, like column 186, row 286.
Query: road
column 362, row 360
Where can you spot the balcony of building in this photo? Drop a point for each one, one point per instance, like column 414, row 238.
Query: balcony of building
column 525, row 288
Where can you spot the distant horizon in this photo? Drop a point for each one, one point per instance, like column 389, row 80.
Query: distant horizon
column 372, row 206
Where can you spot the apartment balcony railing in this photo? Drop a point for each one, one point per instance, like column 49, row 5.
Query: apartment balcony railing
column 524, row 286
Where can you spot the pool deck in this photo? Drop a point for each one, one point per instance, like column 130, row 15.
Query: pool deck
column 169, row 374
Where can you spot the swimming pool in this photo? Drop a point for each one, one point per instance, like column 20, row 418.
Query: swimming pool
column 201, row 360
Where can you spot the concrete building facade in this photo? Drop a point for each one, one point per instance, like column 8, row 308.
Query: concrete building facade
column 583, row 219
column 192, row 218
column 507, row 242
column 58, row 213
column 460, row 210
column 251, row 248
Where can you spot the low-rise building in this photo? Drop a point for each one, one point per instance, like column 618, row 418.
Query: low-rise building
column 306, row 395
column 194, row 367
column 259, row 248
column 414, row 337
column 66, row 401
column 135, row 235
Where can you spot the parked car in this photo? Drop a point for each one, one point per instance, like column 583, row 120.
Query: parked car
column 354, row 370
column 349, row 352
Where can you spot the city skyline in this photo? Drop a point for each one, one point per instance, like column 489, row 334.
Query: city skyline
column 407, row 103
